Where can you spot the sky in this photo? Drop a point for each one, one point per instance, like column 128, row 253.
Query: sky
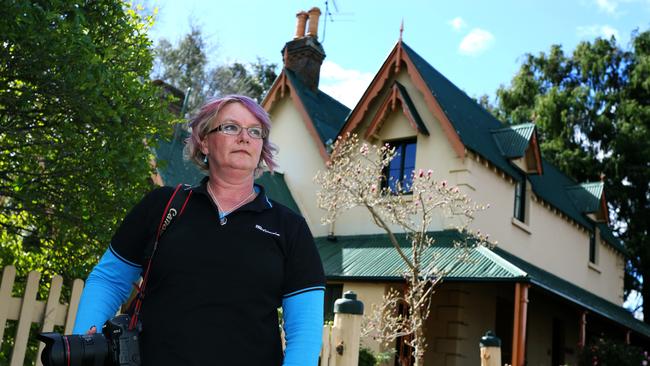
column 478, row 45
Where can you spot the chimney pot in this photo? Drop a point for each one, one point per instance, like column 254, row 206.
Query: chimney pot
column 301, row 24
column 314, row 14
column 304, row 55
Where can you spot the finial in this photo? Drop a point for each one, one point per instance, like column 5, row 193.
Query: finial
column 401, row 30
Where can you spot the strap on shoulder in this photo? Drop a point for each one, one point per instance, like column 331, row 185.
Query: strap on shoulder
column 174, row 208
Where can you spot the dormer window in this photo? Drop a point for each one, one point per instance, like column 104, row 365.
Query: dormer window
column 520, row 201
column 402, row 166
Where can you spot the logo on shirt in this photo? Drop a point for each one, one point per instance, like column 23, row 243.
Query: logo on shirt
column 168, row 219
column 258, row 227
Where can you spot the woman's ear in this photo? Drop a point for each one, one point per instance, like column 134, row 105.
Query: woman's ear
column 204, row 145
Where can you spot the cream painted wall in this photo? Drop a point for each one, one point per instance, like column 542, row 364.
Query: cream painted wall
column 551, row 242
column 299, row 159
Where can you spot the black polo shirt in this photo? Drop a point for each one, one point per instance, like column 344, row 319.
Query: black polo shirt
column 214, row 289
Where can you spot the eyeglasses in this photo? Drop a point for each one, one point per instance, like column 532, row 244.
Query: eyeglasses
column 234, row 129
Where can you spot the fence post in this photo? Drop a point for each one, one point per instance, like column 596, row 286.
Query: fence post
column 25, row 319
column 490, row 349
column 7, row 284
column 346, row 332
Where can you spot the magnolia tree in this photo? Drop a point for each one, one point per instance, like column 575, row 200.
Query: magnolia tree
column 355, row 178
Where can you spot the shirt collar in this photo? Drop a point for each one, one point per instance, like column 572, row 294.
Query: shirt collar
column 260, row 203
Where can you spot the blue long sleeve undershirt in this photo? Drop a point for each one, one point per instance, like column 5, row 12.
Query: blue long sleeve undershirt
column 303, row 327
column 107, row 287
column 110, row 283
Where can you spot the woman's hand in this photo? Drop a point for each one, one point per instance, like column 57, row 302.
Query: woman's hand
column 92, row 330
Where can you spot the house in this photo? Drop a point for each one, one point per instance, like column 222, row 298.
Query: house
column 556, row 277
column 554, row 280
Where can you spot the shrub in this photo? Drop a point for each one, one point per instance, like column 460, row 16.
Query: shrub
column 607, row 352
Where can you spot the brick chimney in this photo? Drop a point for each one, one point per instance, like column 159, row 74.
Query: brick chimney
column 304, row 54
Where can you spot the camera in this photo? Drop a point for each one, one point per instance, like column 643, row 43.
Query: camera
column 116, row 345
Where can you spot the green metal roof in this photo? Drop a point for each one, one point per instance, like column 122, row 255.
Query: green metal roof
column 373, row 258
column 277, row 190
column 327, row 114
column 551, row 187
column 172, row 167
column 475, row 127
column 586, row 196
column 422, row 128
column 513, row 141
column 576, row 294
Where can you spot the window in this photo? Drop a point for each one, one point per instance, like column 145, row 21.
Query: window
column 592, row 247
column 402, row 166
column 332, row 293
column 520, row 201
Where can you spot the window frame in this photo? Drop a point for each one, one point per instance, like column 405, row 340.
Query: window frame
column 520, row 203
column 400, row 150
column 593, row 246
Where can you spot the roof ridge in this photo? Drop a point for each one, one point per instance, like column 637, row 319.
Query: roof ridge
column 507, row 127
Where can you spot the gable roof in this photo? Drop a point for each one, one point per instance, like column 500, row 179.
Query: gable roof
column 558, row 190
column 397, row 94
column 587, row 196
column 372, row 258
column 472, row 123
column 513, row 141
column 323, row 115
column 326, row 113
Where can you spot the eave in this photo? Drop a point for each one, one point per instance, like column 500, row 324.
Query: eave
column 391, row 66
column 397, row 95
column 283, row 87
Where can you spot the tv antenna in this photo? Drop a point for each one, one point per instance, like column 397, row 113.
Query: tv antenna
column 329, row 16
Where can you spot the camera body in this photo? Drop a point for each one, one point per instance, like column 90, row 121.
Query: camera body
column 117, row 345
column 124, row 344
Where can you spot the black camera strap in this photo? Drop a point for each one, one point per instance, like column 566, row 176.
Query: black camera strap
column 175, row 207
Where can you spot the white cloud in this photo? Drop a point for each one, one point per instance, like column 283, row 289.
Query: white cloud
column 345, row 85
column 476, row 42
column 457, row 23
column 592, row 31
column 607, row 6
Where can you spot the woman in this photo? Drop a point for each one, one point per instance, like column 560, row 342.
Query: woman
column 225, row 264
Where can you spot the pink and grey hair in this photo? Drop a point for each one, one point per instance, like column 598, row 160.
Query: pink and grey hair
column 200, row 125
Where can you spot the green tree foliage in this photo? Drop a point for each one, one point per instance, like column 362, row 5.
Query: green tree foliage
column 185, row 66
column 75, row 110
column 592, row 110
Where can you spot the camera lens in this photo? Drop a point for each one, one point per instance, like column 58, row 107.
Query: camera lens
column 74, row 350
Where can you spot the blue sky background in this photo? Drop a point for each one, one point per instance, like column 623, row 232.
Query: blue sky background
column 478, row 45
